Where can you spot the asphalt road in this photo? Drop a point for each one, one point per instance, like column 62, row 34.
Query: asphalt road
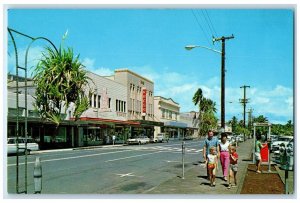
column 133, row 169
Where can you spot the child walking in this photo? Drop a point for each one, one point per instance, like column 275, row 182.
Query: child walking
column 212, row 165
column 233, row 167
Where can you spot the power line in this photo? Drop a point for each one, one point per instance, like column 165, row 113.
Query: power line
column 200, row 26
column 211, row 23
column 206, row 20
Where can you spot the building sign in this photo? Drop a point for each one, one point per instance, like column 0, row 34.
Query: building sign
column 144, row 99
column 104, row 101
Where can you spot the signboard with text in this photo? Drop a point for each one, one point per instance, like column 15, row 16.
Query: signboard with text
column 144, row 99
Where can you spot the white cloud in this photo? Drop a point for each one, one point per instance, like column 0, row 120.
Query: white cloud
column 34, row 55
column 103, row 71
column 90, row 65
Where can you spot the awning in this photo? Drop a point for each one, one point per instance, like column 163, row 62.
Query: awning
column 175, row 124
column 144, row 123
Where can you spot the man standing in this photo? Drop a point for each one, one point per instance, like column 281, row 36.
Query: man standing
column 209, row 142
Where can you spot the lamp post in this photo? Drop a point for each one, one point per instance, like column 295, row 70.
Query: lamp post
column 190, row 47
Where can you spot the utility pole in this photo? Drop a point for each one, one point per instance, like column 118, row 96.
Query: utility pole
column 244, row 101
column 250, row 119
column 223, row 77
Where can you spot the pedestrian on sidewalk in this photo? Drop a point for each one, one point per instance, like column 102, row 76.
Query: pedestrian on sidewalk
column 224, row 149
column 212, row 165
column 210, row 141
column 258, row 147
column 233, row 167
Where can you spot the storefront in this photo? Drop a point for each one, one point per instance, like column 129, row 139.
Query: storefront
column 174, row 129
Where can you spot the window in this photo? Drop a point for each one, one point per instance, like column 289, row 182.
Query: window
column 121, row 103
column 95, row 100
column 109, row 101
column 117, row 105
column 124, row 106
column 91, row 101
column 99, row 99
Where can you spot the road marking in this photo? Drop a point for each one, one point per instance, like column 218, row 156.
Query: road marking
column 171, row 161
column 124, row 175
column 128, row 157
column 128, row 174
column 74, row 157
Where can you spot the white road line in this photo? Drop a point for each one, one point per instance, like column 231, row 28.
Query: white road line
column 74, row 157
column 128, row 157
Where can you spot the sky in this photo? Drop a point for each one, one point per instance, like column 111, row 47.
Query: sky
column 151, row 43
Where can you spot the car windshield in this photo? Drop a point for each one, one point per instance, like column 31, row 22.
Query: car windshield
column 286, row 139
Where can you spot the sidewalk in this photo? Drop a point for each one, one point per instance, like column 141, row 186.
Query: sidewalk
column 195, row 181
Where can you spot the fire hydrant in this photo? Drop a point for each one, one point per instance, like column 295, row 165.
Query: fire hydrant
column 37, row 176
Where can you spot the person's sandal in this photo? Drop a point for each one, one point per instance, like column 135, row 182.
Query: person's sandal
column 258, row 171
column 229, row 186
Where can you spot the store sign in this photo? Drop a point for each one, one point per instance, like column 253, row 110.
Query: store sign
column 144, row 97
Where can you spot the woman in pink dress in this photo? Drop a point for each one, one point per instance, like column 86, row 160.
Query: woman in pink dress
column 224, row 149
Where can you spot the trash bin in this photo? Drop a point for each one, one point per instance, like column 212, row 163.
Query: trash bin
column 264, row 153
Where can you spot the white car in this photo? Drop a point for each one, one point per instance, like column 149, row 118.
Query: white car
column 161, row 137
column 282, row 139
column 12, row 146
column 138, row 140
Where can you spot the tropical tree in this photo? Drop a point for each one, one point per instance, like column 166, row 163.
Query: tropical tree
column 207, row 110
column 234, row 124
column 60, row 79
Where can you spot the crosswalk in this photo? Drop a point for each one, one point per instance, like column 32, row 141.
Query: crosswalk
column 164, row 148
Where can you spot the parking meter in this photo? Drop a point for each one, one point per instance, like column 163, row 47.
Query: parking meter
column 290, row 156
column 269, row 143
column 282, row 154
column 183, row 152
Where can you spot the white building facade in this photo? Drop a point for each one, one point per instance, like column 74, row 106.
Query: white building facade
column 168, row 111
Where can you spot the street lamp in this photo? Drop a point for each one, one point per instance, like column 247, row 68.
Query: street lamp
column 190, row 47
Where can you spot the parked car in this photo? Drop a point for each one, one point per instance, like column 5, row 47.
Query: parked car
column 153, row 139
column 276, row 154
column 281, row 139
column 162, row 137
column 12, row 145
column 188, row 138
column 138, row 140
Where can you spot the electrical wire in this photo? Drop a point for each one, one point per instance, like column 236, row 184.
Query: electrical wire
column 200, row 26
column 206, row 20
column 211, row 23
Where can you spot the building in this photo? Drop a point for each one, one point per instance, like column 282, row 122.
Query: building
column 121, row 106
column 140, row 101
column 168, row 111
column 192, row 121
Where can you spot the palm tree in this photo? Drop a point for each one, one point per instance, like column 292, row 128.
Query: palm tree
column 207, row 109
column 198, row 97
column 60, row 80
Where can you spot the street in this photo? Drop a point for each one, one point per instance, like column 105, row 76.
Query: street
column 132, row 169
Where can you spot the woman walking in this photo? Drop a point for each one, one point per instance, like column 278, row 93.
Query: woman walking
column 224, row 149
